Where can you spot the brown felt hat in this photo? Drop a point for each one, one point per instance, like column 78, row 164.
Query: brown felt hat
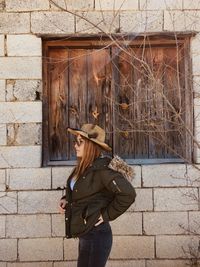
column 93, row 133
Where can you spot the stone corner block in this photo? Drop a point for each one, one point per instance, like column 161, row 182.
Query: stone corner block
column 16, row 5
column 172, row 175
column 116, row 5
column 2, row 4
column 137, row 177
column 193, row 175
column 181, row 20
column 161, row 5
column 161, row 223
column 20, row 112
column 59, row 176
column 58, row 225
column 8, row 202
column 72, row 5
column 174, row 246
column 143, row 201
column 129, row 247
column 108, row 24
column 2, row 180
column 24, row 134
column 175, row 199
column 39, row 201
column 52, row 23
column 23, row 90
column 20, row 68
column 41, row 249
column 2, row 226
column 195, row 5
column 129, row 223
column 20, row 156
column 24, row 45
column 141, row 21
column 1, row 45
column 26, row 226
column 2, row 90
column 14, row 23
column 70, row 249
column 29, row 178
column 3, row 135
column 8, row 251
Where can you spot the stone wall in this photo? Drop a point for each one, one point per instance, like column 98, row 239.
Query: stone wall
column 31, row 229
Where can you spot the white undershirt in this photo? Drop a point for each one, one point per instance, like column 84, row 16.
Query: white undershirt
column 72, row 183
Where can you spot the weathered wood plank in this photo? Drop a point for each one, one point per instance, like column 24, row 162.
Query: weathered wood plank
column 58, row 114
column 77, row 92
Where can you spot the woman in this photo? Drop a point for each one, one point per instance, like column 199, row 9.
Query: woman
column 96, row 193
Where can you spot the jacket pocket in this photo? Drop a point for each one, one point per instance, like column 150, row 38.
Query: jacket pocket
column 116, row 186
column 89, row 212
column 84, row 214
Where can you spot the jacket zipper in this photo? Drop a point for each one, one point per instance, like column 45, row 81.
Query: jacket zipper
column 68, row 230
column 116, row 186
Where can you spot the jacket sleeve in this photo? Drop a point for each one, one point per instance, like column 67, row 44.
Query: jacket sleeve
column 124, row 194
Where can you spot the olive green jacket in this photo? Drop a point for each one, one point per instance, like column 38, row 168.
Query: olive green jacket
column 99, row 191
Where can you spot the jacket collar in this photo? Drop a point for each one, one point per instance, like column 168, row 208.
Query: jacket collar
column 116, row 164
column 100, row 163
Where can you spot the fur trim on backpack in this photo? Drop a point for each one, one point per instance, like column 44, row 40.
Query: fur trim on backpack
column 118, row 164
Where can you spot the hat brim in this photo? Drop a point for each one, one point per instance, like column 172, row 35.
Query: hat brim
column 84, row 134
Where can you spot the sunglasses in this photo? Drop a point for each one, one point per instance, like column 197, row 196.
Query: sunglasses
column 78, row 142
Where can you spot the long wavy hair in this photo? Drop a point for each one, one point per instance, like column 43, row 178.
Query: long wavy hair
column 91, row 152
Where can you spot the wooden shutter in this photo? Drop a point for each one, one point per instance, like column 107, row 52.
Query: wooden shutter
column 79, row 91
column 140, row 94
column 150, row 116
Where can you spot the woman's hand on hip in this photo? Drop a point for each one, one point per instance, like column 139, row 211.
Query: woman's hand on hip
column 100, row 220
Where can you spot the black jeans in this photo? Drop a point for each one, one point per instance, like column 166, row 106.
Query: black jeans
column 95, row 246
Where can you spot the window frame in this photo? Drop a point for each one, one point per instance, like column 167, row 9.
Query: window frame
column 87, row 41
